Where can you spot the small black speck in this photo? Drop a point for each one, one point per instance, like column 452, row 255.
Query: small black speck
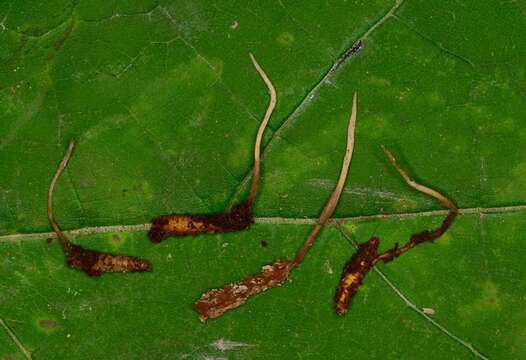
column 49, row 240
column 116, row 238
column 264, row 243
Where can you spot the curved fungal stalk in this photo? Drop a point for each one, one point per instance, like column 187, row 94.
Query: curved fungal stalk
column 426, row 235
column 63, row 163
column 419, row 187
column 92, row 262
column 235, row 219
column 335, row 196
column 215, row 302
column 257, row 147
column 366, row 256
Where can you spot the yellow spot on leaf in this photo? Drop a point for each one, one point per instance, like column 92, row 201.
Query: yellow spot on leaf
column 487, row 301
column 285, row 39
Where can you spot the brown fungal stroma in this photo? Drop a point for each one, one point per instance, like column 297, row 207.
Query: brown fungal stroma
column 366, row 257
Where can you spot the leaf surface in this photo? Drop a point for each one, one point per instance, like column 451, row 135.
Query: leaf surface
column 164, row 104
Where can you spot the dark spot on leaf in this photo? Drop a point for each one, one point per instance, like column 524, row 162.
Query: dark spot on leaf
column 49, row 240
column 47, row 324
column 116, row 238
column 264, row 243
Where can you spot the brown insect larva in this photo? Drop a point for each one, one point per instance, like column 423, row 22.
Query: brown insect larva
column 239, row 218
column 353, row 273
column 236, row 219
column 92, row 262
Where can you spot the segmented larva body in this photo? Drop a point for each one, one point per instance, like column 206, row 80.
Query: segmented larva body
column 239, row 218
column 353, row 273
column 94, row 263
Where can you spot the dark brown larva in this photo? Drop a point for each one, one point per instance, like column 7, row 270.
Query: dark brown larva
column 94, row 263
column 353, row 273
column 236, row 219
column 239, row 218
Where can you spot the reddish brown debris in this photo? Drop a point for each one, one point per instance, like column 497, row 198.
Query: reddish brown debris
column 216, row 302
column 94, row 263
column 353, row 273
column 239, row 218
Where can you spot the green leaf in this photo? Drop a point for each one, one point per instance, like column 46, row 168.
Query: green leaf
column 164, row 104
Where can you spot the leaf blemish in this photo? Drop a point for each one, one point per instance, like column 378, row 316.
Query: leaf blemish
column 286, row 39
column 47, row 324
